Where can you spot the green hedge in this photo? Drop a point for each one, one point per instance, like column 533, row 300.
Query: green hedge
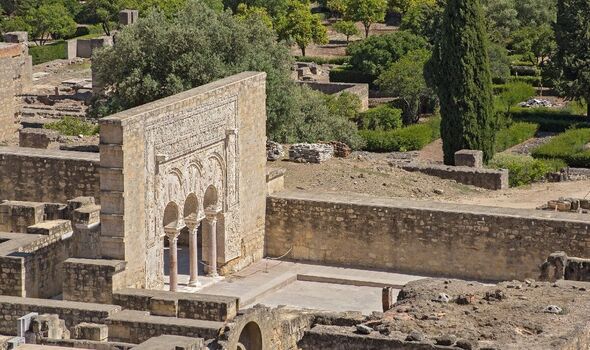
column 347, row 75
column 515, row 134
column 569, row 147
column 524, row 170
column 71, row 126
column 525, row 71
column 46, row 53
column 550, row 119
column 382, row 117
column 323, row 60
column 411, row 138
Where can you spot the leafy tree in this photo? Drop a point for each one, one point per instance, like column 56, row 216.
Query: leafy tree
column 536, row 12
column 535, row 44
column 245, row 13
column 459, row 70
column 161, row 56
column 104, row 12
column 405, row 79
column 346, row 28
column 572, row 58
column 337, row 6
column 18, row 7
column 382, row 117
column 50, row 20
column 301, row 26
column 14, row 24
column 367, row 12
column 275, row 8
column 514, row 93
column 423, row 18
column 374, row 54
column 501, row 18
column 499, row 61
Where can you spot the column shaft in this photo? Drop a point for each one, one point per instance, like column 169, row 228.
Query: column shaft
column 194, row 256
column 173, row 253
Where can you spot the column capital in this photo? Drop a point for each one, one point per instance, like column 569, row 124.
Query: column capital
column 193, row 221
column 212, row 212
column 172, row 230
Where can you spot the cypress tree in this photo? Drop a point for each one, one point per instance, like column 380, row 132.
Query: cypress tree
column 460, row 73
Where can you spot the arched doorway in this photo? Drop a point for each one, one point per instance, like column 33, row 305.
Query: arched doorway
column 251, row 337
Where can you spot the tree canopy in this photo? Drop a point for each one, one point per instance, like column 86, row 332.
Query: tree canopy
column 366, row 11
column 300, row 26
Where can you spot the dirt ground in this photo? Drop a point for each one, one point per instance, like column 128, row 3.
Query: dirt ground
column 512, row 317
column 371, row 174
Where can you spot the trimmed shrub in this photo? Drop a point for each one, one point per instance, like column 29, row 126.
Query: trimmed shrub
column 515, row 134
column 46, row 53
column 347, row 75
column 323, row 60
column 550, row 120
column 569, row 147
column 382, row 117
column 524, row 71
column 70, row 126
column 524, row 170
column 411, row 138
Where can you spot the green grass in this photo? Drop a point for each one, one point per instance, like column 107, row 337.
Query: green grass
column 524, row 170
column 569, row 147
column 50, row 52
column 515, row 134
column 410, row 138
column 70, row 126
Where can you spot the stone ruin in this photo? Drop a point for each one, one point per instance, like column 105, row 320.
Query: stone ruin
column 572, row 205
column 310, row 152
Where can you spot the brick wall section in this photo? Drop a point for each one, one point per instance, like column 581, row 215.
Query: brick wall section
column 11, row 308
column 426, row 238
column 138, row 326
column 15, row 76
column 29, row 174
column 478, row 177
column 91, row 280
column 189, row 305
column 12, row 276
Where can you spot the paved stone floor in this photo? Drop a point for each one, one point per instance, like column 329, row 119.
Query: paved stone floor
column 273, row 282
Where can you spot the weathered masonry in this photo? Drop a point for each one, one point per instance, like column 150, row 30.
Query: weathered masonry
column 190, row 160
column 426, row 238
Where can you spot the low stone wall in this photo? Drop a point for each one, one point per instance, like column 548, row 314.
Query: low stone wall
column 29, row 174
column 559, row 266
column 478, row 177
column 12, row 308
column 92, row 280
column 361, row 90
column 177, row 304
column 425, row 238
column 15, row 77
column 12, row 277
column 138, row 326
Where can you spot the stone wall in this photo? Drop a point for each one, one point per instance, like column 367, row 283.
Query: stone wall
column 485, row 178
column 12, row 276
column 361, row 90
column 426, row 238
column 92, row 280
column 28, row 174
column 11, row 308
column 208, row 143
column 15, row 77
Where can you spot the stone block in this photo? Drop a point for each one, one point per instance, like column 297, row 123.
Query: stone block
column 16, row 37
column 127, row 17
column 469, row 158
column 72, row 49
column 310, row 152
column 164, row 306
column 91, row 331
column 37, row 138
column 51, row 228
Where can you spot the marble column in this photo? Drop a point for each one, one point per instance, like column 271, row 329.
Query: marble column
column 211, row 214
column 172, row 234
column 193, row 226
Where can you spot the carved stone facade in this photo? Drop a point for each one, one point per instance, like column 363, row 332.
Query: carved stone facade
column 172, row 159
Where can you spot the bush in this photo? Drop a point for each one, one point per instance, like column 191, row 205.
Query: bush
column 323, row 60
column 550, row 120
column 524, row 170
column 71, row 126
column 515, row 134
column 569, row 147
column 347, row 75
column 411, row 138
column 382, row 117
column 525, row 71
column 46, row 53
column 514, row 92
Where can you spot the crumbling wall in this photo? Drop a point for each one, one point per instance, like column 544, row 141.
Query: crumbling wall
column 15, row 77
column 12, row 276
column 479, row 177
column 28, row 174
column 92, row 280
column 420, row 237
column 559, row 266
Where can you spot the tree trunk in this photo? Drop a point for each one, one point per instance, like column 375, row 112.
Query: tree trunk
column 302, row 50
column 347, row 39
column 588, row 107
column 105, row 27
column 367, row 29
